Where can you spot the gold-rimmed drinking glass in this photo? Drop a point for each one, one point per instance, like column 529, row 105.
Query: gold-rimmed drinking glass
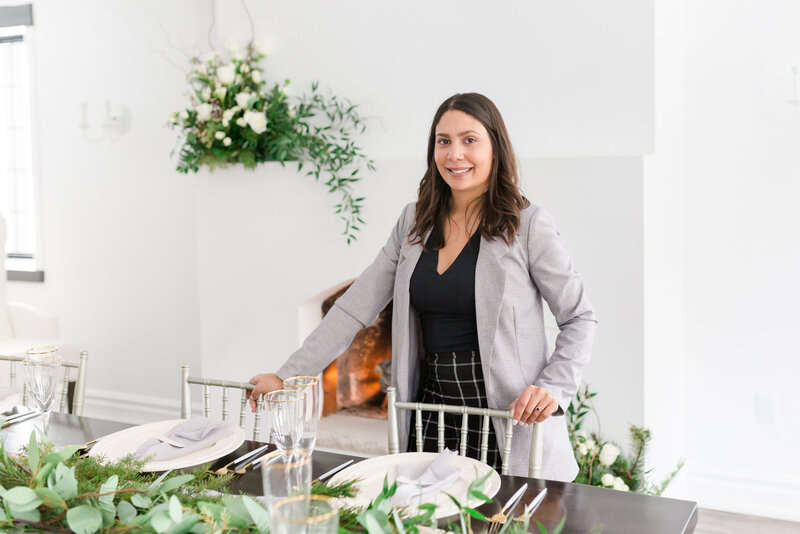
column 40, row 368
column 285, row 408
column 314, row 514
column 312, row 388
column 285, row 474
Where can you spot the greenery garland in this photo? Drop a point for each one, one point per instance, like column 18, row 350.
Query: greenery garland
column 236, row 116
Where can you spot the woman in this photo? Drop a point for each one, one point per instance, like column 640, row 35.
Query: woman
column 468, row 265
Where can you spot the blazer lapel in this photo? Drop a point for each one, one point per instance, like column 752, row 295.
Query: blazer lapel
column 490, row 280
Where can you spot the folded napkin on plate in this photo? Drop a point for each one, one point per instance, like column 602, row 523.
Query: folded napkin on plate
column 193, row 434
column 418, row 481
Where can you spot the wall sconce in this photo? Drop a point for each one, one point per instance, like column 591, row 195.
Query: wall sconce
column 117, row 121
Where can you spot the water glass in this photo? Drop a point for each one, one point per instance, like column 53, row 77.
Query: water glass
column 312, row 406
column 285, row 474
column 313, row 514
column 285, row 407
column 40, row 368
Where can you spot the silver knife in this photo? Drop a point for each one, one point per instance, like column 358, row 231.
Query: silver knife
column 237, row 464
column 514, row 498
column 335, row 470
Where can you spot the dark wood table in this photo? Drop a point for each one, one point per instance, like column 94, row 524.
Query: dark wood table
column 588, row 508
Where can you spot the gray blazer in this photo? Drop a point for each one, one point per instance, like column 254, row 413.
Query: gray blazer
column 510, row 283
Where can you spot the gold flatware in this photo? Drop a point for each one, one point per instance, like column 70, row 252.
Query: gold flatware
column 500, row 517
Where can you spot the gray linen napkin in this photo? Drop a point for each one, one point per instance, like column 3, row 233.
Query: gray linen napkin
column 193, row 434
column 419, row 481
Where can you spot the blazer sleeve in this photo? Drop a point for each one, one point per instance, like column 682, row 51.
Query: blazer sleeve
column 356, row 309
column 562, row 288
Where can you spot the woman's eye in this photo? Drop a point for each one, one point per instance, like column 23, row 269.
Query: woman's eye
column 443, row 141
column 470, row 140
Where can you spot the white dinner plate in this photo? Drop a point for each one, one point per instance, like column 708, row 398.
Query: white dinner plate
column 120, row 444
column 371, row 473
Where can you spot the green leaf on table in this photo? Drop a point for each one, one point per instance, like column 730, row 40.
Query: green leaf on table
column 187, row 524
column 257, row 513
column 156, row 484
column 106, row 502
column 21, row 496
column 175, row 509
column 44, row 472
column 239, row 515
column 33, row 452
column 26, row 514
column 84, row 519
column 126, row 512
column 141, row 501
column 370, row 523
column 50, row 498
column 211, row 509
column 62, row 455
column 160, row 521
column 63, row 481
column 474, row 513
column 175, row 482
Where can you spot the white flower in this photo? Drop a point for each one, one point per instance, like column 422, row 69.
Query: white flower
column 245, row 68
column 607, row 480
column 582, row 449
column 243, row 99
column 256, row 76
column 262, row 47
column 219, row 135
column 608, row 454
column 581, row 434
column 220, row 92
column 173, row 116
column 226, row 74
column 206, row 93
column 257, row 121
column 184, row 114
column 238, row 55
column 201, row 69
column 292, row 112
column 226, row 141
column 209, row 57
column 620, row 485
column 241, row 122
column 228, row 114
column 233, row 46
column 590, row 444
column 203, row 112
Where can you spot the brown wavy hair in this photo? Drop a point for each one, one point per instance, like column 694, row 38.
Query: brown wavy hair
column 502, row 202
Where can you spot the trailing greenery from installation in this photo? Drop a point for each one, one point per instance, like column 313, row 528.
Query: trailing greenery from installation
column 602, row 463
column 236, row 116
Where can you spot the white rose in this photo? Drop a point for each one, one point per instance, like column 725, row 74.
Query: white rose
column 184, row 114
column 219, row 135
column 206, row 93
column 245, row 68
column 256, row 76
column 233, row 45
column 226, row 74
column 581, row 434
column 262, row 47
column 228, row 114
column 173, row 116
column 243, row 99
column 241, row 122
column 226, row 141
column 582, row 449
column 608, row 454
column 256, row 121
column 203, row 112
column 620, row 485
column 607, row 480
column 221, row 92
column 590, row 444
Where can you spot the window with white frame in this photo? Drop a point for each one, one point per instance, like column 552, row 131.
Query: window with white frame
column 17, row 180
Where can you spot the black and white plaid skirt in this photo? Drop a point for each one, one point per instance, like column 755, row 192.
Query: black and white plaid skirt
column 454, row 378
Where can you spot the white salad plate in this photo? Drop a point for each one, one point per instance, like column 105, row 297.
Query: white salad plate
column 372, row 472
column 120, row 444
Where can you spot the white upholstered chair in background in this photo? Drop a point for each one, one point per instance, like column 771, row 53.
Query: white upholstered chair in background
column 224, row 386
column 23, row 326
column 534, row 460
column 66, row 369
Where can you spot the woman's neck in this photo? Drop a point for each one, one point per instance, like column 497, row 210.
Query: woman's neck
column 466, row 208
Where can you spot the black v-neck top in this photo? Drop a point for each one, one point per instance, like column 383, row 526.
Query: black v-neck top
column 446, row 303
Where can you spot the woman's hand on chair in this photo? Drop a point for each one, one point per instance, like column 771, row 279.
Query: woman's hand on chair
column 264, row 383
column 534, row 405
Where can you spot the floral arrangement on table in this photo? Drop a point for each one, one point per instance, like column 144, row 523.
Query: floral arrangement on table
column 62, row 491
column 236, row 116
column 601, row 462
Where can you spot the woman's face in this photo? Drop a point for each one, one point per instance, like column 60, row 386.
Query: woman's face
column 463, row 153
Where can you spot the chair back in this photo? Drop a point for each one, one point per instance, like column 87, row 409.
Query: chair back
column 80, row 382
column 534, row 458
column 225, row 385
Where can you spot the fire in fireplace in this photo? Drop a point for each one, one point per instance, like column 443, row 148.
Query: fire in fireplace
column 356, row 381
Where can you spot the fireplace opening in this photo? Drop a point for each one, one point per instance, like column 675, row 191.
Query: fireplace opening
column 356, row 381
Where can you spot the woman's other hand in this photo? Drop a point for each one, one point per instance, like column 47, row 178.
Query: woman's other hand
column 264, row 383
column 534, row 405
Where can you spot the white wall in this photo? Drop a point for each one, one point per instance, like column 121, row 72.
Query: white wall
column 150, row 269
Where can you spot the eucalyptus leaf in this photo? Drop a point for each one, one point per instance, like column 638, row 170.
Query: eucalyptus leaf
column 62, row 455
column 62, row 481
column 257, row 513
column 141, row 501
column 175, row 482
column 33, row 452
column 156, row 484
column 186, row 525
column 44, row 472
column 50, row 498
column 161, row 521
column 106, row 502
column 126, row 512
column 21, row 496
column 175, row 509
column 25, row 513
column 237, row 510
column 84, row 519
